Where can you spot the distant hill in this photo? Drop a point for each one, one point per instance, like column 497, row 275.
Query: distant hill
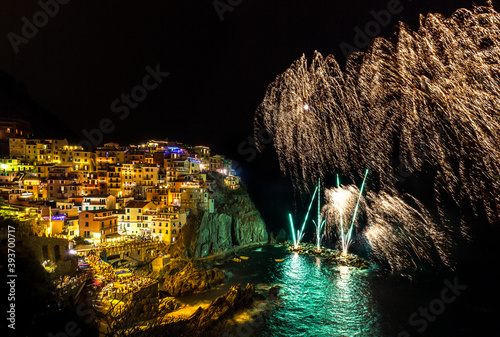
column 16, row 103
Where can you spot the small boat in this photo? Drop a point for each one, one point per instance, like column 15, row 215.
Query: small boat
column 236, row 259
column 244, row 257
column 279, row 260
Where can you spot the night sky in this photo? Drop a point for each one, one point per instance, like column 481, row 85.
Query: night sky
column 89, row 54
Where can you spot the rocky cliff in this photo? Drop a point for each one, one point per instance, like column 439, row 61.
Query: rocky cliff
column 234, row 222
column 211, row 320
column 219, row 232
column 189, row 278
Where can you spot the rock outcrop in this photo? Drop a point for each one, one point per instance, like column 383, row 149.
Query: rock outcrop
column 190, row 278
column 220, row 232
column 235, row 221
column 214, row 234
column 281, row 237
column 210, row 321
column 249, row 228
column 334, row 256
column 169, row 304
column 222, row 307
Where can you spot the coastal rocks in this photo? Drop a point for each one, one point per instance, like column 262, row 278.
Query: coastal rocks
column 281, row 237
column 191, row 278
column 221, row 308
column 331, row 255
column 220, row 232
column 273, row 292
column 169, row 304
column 249, row 228
column 214, row 234
column 272, row 238
column 123, row 318
column 234, row 221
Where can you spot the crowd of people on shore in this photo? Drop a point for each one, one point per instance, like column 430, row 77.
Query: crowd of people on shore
column 132, row 284
column 101, row 270
column 120, row 281
column 66, row 285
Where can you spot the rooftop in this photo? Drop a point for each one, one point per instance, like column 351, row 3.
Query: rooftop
column 96, row 211
column 137, row 204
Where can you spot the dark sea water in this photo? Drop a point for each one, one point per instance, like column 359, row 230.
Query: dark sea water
column 321, row 299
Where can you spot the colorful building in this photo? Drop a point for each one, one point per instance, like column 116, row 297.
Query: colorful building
column 96, row 225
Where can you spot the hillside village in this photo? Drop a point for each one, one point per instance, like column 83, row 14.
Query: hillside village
column 115, row 193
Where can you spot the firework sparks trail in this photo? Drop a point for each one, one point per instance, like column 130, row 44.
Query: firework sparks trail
column 403, row 235
column 320, row 223
column 300, row 233
column 340, row 206
column 433, row 91
column 349, row 233
column 428, row 97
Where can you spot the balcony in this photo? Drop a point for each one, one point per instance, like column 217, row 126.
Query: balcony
column 107, row 217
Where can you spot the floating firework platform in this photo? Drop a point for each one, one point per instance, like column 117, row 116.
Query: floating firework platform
column 331, row 255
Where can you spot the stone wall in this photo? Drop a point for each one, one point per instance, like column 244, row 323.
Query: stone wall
column 52, row 249
column 159, row 263
column 134, row 253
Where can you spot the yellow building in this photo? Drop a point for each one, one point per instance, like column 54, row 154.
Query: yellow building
column 72, row 226
column 42, row 151
column 110, row 154
column 114, row 180
column 36, row 186
column 203, row 154
column 135, row 218
column 145, row 175
column 67, row 208
column 76, row 157
column 15, row 165
column 128, row 181
column 167, row 226
column 233, row 182
column 52, row 220
column 43, row 170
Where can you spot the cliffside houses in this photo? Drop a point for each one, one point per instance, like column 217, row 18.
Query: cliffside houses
column 113, row 193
